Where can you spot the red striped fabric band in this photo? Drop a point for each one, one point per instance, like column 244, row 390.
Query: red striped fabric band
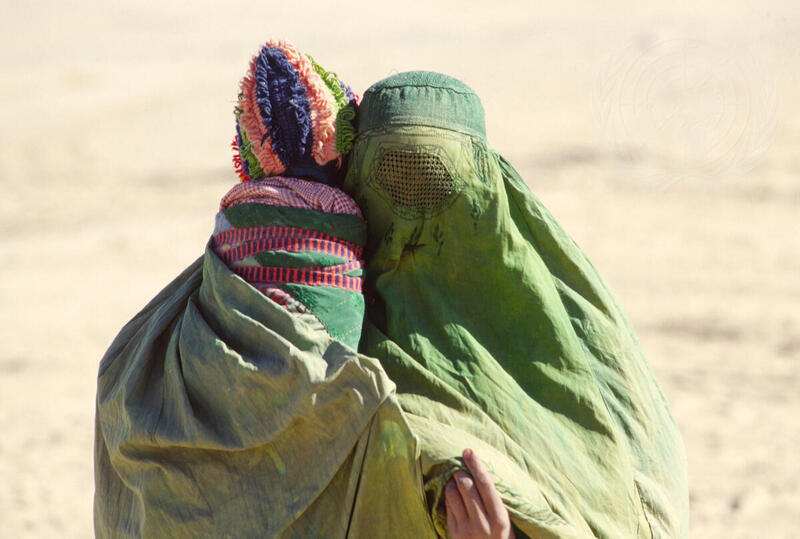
column 239, row 243
column 271, row 238
column 315, row 276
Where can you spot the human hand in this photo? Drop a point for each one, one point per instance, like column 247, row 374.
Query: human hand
column 474, row 508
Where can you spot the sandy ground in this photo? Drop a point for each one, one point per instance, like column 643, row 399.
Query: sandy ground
column 664, row 139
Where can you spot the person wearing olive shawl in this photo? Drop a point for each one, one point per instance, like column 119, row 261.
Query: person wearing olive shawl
column 234, row 404
column 499, row 333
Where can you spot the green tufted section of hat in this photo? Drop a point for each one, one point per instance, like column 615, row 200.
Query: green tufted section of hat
column 345, row 110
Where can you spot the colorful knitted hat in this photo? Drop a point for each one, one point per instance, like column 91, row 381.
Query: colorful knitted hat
column 293, row 117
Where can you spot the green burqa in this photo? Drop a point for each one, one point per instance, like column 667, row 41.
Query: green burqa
column 497, row 330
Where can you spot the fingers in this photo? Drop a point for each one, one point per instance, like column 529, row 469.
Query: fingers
column 456, row 512
column 492, row 503
column 471, row 498
column 474, row 507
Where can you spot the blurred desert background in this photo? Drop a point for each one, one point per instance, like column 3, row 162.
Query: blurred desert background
column 665, row 139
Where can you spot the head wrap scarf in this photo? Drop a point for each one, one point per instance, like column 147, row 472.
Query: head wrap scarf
column 499, row 333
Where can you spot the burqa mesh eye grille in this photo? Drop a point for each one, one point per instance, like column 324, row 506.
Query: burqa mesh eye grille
column 416, row 180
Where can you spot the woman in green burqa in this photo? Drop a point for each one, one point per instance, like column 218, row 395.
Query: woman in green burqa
column 499, row 333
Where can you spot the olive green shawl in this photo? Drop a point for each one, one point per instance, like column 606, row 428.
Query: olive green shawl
column 220, row 414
